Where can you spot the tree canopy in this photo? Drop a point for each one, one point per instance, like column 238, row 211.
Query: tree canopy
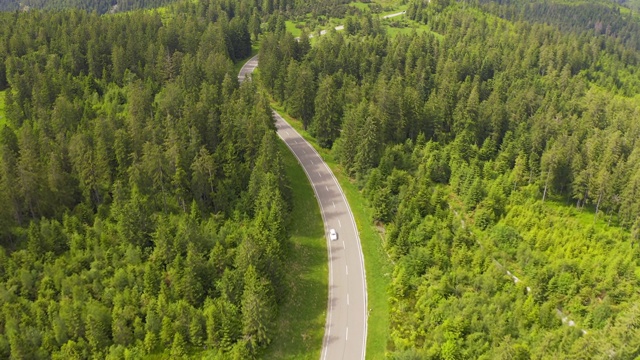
column 145, row 207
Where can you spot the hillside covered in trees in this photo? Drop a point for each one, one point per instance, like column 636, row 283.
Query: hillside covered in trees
column 99, row 6
column 291, row 7
column 145, row 211
column 144, row 204
column 486, row 145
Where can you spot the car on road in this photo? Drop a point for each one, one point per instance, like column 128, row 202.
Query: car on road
column 333, row 235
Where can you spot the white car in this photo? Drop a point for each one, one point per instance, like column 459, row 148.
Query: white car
column 333, row 235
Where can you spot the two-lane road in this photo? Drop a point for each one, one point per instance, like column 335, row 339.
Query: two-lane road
column 346, row 326
column 345, row 334
column 248, row 68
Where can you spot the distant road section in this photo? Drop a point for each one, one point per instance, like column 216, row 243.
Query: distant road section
column 345, row 335
column 248, row 68
column 394, row 15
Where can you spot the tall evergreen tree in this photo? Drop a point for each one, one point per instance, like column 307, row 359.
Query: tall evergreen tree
column 328, row 112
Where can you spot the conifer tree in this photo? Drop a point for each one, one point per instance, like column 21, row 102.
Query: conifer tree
column 258, row 309
column 328, row 112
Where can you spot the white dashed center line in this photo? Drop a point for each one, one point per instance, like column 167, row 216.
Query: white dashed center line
column 339, row 223
column 334, row 204
column 347, row 299
column 347, row 269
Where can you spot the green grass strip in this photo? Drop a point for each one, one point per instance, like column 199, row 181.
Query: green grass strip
column 3, row 116
column 301, row 318
column 377, row 266
column 292, row 28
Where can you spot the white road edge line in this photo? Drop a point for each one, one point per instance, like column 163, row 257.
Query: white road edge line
column 364, row 278
column 329, row 256
column 353, row 222
column 360, row 255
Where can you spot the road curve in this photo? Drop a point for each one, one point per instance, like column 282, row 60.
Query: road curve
column 345, row 334
column 248, row 68
column 394, row 15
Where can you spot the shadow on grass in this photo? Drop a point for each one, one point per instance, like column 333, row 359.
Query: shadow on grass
column 301, row 319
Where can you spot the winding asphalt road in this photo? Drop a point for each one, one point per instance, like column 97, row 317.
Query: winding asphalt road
column 345, row 334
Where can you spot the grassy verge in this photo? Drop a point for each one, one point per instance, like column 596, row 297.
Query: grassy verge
column 301, row 320
column 376, row 262
column 3, row 117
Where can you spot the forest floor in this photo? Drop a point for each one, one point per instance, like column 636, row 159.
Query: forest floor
column 377, row 265
column 301, row 318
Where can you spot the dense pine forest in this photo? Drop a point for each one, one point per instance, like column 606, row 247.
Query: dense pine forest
column 146, row 212
column 144, row 204
column 99, row 6
column 498, row 139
